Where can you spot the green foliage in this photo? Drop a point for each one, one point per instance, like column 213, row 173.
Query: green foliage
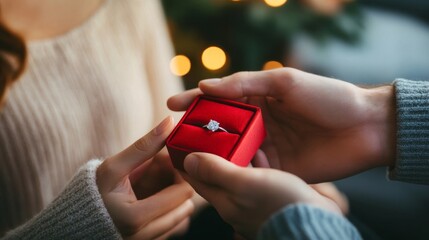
column 250, row 31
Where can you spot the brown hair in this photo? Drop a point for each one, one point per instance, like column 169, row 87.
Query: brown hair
column 13, row 57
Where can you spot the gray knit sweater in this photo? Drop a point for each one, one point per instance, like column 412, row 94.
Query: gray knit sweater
column 77, row 213
column 412, row 165
column 412, row 104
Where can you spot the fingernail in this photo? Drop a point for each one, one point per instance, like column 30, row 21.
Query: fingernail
column 191, row 164
column 212, row 81
column 162, row 126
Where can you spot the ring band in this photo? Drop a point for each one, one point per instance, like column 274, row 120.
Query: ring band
column 214, row 126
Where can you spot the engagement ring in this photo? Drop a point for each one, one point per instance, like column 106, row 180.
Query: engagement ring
column 214, row 126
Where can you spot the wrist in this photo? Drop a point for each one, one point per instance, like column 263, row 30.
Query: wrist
column 382, row 113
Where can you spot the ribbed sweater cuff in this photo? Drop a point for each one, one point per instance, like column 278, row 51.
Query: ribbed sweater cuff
column 77, row 213
column 412, row 103
column 301, row 221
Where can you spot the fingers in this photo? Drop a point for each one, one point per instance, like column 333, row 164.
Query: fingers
column 330, row 191
column 152, row 176
column 199, row 202
column 239, row 86
column 205, row 188
column 166, row 222
column 178, row 230
column 133, row 216
column 114, row 169
column 213, row 170
column 181, row 102
column 209, row 192
column 158, row 170
column 271, row 83
column 162, row 202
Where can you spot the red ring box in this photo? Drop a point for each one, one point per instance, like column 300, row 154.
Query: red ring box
column 243, row 122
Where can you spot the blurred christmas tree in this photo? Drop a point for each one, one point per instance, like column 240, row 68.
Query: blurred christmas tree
column 250, row 32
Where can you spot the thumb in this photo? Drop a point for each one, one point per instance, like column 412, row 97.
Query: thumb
column 115, row 168
column 211, row 169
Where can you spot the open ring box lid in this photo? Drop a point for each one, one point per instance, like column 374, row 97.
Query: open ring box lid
column 243, row 122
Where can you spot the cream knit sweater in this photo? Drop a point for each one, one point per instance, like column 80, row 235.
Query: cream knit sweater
column 86, row 94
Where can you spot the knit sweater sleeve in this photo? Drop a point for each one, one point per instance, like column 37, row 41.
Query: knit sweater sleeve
column 77, row 213
column 302, row 221
column 412, row 104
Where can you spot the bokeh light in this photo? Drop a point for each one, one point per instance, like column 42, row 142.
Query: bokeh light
column 213, row 58
column 180, row 65
column 275, row 3
column 272, row 65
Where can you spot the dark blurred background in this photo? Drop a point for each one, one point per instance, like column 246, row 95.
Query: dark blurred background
column 367, row 42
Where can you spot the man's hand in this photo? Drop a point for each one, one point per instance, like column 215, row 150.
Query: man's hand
column 247, row 197
column 319, row 128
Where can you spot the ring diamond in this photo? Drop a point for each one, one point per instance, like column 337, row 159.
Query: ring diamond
column 214, row 126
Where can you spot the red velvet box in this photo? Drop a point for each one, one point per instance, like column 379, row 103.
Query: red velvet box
column 243, row 122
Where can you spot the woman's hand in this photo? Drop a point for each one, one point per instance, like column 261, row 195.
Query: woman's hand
column 247, row 197
column 143, row 194
column 320, row 129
